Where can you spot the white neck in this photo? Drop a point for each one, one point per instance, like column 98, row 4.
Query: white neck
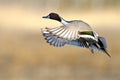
column 64, row 22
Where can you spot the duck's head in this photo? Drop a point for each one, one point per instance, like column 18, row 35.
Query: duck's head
column 53, row 16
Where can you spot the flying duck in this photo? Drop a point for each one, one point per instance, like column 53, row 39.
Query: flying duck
column 74, row 32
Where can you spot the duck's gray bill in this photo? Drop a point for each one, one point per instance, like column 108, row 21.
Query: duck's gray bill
column 45, row 17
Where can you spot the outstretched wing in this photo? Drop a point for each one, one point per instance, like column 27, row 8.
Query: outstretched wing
column 70, row 31
column 54, row 40
column 59, row 42
column 64, row 32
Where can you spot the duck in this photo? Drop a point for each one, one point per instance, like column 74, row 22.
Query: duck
column 75, row 33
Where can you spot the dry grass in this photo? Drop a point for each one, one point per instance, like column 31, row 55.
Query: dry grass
column 26, row 56
column 22, row 18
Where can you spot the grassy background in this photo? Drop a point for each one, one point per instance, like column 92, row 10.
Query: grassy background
column 25, row 55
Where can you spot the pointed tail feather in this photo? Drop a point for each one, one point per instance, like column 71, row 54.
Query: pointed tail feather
column 104, row 50
column 100, row 46
column 103, row 45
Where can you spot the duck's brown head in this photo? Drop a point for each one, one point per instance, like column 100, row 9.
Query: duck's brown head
column 53, row 16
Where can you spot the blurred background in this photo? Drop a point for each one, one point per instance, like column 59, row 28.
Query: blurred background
column 25, row 55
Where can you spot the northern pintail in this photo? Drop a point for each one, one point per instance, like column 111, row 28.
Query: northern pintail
column 74, row 32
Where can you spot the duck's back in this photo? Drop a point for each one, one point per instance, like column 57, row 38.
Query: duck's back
column 79, row 25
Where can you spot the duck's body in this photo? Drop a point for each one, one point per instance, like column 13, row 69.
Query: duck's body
column 75, row 32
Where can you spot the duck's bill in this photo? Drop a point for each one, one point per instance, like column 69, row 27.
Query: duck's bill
column 45, row 17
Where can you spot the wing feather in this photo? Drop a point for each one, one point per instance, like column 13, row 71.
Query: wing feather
column 59, row 42
column 70, row 31
column 59, row 36
column 78, row 42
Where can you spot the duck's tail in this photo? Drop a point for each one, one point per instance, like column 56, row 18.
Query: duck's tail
column 101, row 45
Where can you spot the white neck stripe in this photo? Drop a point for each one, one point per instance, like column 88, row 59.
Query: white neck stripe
column 64, row 22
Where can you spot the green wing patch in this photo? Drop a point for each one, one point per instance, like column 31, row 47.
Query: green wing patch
column 86, row 33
